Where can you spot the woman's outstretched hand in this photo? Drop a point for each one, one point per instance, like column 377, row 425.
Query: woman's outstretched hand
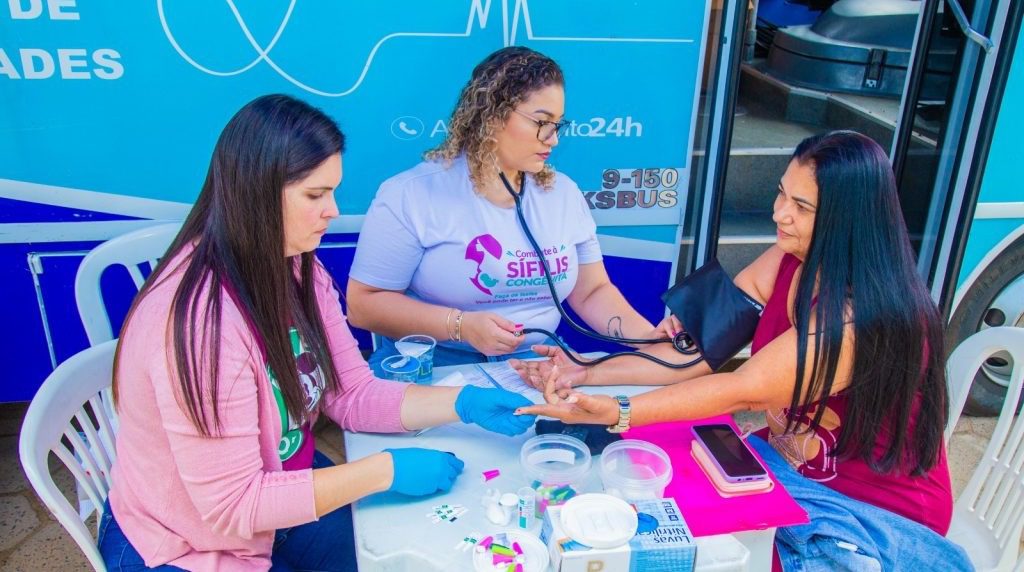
column 577, row 407
column 572, row 406
column 536, row 373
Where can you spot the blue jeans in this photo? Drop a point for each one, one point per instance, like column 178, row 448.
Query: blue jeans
column 847, row 534
column 325, row 545
column 443, row 355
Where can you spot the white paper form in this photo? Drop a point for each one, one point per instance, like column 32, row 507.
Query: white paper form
column 503, row 376
column 468, row 377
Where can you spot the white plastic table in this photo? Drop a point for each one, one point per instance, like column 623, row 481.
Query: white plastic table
column 394, row 533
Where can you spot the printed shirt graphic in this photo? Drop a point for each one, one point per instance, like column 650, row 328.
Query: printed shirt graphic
column 516, row 275
column 430, row 235
column 294, row 435
column 808, row 451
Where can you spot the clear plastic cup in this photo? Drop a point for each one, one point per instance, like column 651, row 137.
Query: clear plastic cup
column 557, row 466
column 634, row 470
column 421, row 347
column 400, row 368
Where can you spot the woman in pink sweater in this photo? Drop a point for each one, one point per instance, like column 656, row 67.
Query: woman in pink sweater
column 229, row 354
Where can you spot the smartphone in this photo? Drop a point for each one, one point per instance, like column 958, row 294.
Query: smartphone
column 715, row 476
column 729, row 453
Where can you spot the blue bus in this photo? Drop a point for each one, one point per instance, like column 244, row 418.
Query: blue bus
column 684, row 113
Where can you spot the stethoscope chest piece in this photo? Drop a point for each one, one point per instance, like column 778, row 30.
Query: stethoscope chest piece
column 684, row 343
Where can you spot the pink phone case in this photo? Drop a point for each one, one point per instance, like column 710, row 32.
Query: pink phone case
column 712, row 462
column 724, row 488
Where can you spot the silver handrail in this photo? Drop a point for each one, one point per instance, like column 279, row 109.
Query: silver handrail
column 965, row 26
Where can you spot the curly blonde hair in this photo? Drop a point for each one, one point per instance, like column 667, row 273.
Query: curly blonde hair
column 497, row 86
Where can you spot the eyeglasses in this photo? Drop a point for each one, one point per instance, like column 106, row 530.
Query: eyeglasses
column 546, row 129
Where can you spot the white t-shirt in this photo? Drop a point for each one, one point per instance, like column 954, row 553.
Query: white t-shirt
column 428, row 233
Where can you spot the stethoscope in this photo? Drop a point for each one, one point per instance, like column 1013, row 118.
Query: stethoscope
column 682, row 341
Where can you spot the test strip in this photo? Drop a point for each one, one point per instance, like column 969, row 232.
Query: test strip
column 503, row 550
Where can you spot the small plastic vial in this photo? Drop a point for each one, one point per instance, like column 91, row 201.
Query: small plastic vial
column 527, row 506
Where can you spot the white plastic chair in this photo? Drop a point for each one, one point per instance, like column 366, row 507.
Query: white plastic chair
column 71, row 417
column 988, row 517
column 131, row 250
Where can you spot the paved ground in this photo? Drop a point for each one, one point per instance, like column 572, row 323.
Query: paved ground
column 30, row 539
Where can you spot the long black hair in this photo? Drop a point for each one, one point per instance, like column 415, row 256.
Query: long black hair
column 860, row 267
column 237, row 230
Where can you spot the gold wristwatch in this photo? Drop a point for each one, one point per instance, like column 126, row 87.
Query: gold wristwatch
column 623, row 424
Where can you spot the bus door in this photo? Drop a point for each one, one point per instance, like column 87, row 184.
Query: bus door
column 956, row 165
column 918, row 77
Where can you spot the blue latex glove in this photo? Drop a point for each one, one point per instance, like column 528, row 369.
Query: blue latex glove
column 419, row 472
column 493, row 409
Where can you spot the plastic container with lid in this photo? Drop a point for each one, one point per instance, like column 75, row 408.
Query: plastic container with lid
column 634, row 470
column 556, row 465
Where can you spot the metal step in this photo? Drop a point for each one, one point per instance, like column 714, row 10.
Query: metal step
column 743, row 237
column 819, row 111
column 752, row 179
column 771, row 120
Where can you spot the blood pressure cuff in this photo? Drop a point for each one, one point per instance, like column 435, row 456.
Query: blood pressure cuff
column 718, row 316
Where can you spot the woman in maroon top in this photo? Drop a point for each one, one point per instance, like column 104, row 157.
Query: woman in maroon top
column 847, row 358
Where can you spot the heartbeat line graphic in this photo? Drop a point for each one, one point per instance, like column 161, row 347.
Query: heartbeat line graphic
column 479, row 12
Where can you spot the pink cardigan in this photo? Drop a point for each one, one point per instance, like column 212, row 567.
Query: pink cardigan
column 214, row 503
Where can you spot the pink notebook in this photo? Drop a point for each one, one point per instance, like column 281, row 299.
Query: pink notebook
column 705, row 511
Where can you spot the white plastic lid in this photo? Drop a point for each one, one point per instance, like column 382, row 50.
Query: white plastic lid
column 599, row 520
column 508, row 499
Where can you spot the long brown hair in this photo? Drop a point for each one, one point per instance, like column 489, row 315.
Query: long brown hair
column 236, row 234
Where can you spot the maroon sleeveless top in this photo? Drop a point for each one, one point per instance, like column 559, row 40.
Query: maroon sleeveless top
column 926, row 499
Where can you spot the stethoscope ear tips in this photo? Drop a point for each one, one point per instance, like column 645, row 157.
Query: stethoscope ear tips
column 684, row 343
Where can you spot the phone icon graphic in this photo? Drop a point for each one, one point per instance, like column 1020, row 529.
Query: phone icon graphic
column 407, row 127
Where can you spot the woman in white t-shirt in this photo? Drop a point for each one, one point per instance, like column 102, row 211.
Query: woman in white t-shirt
column 441, row 251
